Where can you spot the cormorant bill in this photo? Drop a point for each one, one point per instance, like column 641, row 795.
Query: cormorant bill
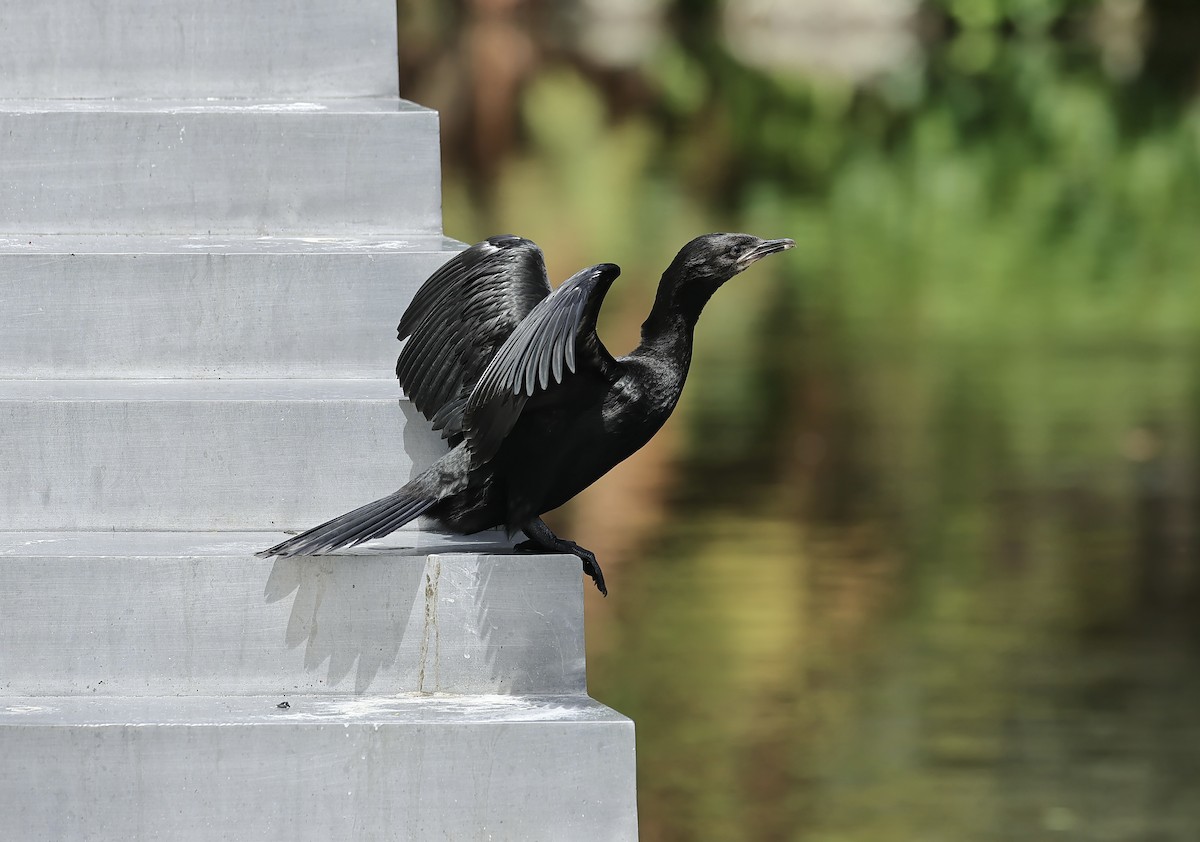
column 534, row 407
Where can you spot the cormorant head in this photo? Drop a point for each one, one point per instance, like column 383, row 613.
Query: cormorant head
column 716, row 258
column 707, row 262
column 698, row 271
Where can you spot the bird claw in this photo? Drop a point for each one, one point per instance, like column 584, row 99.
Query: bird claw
column 593, row 570
column 590, row 566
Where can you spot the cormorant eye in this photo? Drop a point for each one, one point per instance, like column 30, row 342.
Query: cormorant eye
column 736, row 251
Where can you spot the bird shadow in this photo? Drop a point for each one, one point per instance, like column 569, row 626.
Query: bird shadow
column 369, row 619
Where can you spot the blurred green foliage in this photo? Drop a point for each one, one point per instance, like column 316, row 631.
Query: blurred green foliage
column 931, row 537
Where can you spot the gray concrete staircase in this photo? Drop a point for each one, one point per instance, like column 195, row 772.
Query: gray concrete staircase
column 212, row 215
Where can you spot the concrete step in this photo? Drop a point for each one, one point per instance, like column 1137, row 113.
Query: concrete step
column 202, row 454
column 332, row 167
column 401, row 768
column 179, row 613
column 162, row 306
column 222, row 48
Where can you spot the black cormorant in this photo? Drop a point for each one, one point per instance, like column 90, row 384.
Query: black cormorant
column 533, row 405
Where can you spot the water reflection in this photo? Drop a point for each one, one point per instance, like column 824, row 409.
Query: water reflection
column 999, row 656
column 917, row 558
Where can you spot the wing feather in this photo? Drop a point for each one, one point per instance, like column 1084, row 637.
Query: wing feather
column 562, row 338
column 548, row 337
column 549, row 360
column 569, row 349
column 460, row 317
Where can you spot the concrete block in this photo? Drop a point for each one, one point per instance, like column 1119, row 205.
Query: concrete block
column 202, row 454
column 321, row 167
column 401, row 768
column 136, row 306
column 179, row 48
column 181, row 613
column 230, row 189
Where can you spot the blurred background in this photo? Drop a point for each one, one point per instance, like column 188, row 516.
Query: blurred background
column 917, row 558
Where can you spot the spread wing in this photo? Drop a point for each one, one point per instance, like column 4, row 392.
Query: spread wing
column 557, row 336
column 458, row 320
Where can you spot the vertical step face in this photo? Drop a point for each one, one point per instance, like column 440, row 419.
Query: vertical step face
column 202, row 455
column 122, row 307
column 170, row 614
column 334, row 167
column 212, row 215
column 458, row 768
column 180, row 48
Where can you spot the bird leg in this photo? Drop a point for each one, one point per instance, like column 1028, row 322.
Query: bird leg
column 541, row 538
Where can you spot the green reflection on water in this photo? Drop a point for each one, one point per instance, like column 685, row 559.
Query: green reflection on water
column 1000, row 644
column 917, row 559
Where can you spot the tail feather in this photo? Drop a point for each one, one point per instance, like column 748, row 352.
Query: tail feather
column 374, row 520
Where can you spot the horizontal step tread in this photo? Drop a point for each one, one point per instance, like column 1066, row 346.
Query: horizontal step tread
column 170, row 244
column 185, row 544
column 201, row 390
column 324, row 709
column 205, row 105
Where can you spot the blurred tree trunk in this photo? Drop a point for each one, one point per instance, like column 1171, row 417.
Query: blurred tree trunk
column 1172, row 58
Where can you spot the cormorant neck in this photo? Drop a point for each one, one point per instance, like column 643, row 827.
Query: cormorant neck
column 669, row 327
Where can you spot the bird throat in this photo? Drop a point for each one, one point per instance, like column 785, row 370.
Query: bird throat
column 667, row 333
column 676, row 310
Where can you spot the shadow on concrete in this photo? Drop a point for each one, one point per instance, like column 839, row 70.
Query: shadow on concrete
column 529, row 618
column 373, row 610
